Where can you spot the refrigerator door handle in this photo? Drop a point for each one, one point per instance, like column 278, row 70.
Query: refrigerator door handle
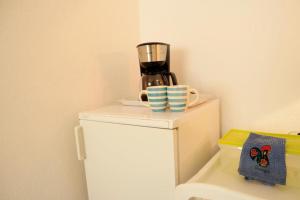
column 79, row 143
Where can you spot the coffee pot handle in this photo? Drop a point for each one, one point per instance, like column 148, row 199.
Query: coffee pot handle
column 173, row 77
column 166, row 78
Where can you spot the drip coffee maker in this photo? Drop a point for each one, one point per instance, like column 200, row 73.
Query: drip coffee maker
column 154, row 59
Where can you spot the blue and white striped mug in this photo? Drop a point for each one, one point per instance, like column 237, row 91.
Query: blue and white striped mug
column 179, row 97
column 157, row 98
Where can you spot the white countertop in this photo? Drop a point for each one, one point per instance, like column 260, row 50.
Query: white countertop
column 220, row 179
column 137, row 115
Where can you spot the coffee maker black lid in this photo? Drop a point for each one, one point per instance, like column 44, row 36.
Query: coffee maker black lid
column 149, row 43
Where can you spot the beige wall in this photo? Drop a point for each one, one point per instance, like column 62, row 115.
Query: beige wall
column 57, row 58
column 245, row 52
column 60, row 57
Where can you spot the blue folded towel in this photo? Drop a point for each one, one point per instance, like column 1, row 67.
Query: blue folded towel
column 263, row 159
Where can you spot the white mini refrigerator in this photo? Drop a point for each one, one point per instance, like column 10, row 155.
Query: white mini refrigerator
column 132, row 153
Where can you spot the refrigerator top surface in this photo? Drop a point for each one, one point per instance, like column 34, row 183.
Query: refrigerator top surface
column 137, row 115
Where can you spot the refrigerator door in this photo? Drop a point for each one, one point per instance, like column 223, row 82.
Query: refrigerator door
column 129, row 162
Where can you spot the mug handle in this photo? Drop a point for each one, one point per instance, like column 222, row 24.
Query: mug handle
column 194, row 91
column 140, row 98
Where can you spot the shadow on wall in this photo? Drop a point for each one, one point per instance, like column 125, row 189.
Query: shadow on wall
column 284, row 120
column 181, row 66
column 177, row 64
column 114, row 79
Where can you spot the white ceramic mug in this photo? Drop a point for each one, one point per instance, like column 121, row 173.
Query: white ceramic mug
column 179, row 97
column 157, row 98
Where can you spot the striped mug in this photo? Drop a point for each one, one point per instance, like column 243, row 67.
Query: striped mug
column 157, row 98
column 179, row 97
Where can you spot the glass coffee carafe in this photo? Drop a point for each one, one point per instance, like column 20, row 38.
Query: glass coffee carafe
column 158, row 79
